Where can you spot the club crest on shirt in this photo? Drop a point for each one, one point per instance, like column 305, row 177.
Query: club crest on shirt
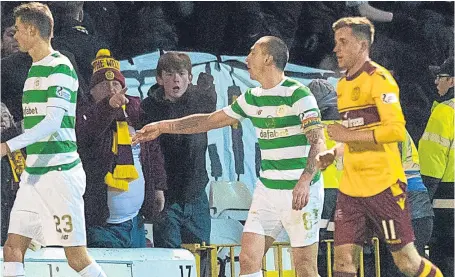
column 355, row 95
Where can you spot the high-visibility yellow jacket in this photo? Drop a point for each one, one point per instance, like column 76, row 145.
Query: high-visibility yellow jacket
column 332, row 174
column 436, row 148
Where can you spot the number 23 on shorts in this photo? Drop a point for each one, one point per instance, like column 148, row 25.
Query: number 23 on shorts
column 66, row 220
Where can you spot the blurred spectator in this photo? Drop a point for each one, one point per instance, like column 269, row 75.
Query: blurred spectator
column 326, row 97
column 11, row 84
column 211, row 20
column 13, row 75
column 373, row 14
column 9, row 43
column 314, row 34
column 420, row 34
column 11, row 170
column 103, row 18
column 145, row 27
column 436, row 153
column 444, row 82
column 186, row 216
column 72, row 36
column 243, row 23
column 252, row 20
column 179, row 14
column 282, row 18
column 120, row 178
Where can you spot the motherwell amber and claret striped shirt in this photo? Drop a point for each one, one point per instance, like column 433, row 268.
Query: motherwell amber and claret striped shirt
column 51, row 82
column 281, row 116
column 369, row 100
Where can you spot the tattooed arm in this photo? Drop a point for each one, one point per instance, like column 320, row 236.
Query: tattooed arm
column 192, row 124
column 317, row 141
column 197, row 123
column 301, row 192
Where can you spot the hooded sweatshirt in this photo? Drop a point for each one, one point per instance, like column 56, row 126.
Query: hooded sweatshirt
column 184, row 155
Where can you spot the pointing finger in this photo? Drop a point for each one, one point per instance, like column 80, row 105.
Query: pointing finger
column 124, row 90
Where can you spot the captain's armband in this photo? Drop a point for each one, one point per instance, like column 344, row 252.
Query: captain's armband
column 310, row 120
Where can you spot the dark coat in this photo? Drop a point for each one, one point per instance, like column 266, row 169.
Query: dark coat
column 184, row 155
column 74, row 38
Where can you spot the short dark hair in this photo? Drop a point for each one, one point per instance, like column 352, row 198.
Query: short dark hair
column 362, row 28
column 276, row 48
column 38, row 15
column 173, row 61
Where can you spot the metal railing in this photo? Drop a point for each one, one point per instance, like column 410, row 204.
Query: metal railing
column 212, row 252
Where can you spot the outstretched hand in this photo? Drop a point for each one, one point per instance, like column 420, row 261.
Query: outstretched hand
column 147, row 133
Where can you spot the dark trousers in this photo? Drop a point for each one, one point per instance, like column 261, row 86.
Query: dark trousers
column 181, row 223
column 441, row 245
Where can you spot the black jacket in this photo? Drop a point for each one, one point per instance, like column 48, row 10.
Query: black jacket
column 184, row 155
column 74, row 38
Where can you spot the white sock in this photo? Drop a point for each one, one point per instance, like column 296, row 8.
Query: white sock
column 256, row 274
column 92, row 270
column 13, row 269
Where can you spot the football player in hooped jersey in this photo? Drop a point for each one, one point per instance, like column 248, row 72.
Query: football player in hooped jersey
column 48, row 207
column 372, row 190
column 290, row 192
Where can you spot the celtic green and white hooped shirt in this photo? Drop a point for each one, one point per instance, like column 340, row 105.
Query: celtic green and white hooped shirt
column 280, row 115
column 51, row 82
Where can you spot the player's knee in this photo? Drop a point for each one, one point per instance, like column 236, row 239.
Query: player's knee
column 408, row 263
column 12, row 253
column 310, row 270
column 249, row 260
column 77, row 259
column 78, row 263
column 306, row 264
column 344, row 261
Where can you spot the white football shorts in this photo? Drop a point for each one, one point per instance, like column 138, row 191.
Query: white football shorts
column 49, row 208
column 271, row 211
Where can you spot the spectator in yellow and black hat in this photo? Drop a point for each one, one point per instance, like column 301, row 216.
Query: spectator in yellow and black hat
column 120, row 178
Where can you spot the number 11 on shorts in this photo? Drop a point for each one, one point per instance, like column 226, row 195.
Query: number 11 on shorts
column 389, row 227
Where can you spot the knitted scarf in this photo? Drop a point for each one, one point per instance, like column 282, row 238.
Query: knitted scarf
column 17, row 162
column 122, row 171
